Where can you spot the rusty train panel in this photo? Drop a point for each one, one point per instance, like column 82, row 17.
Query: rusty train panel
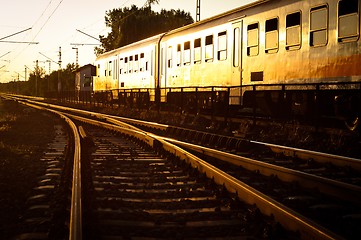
column 269, row 42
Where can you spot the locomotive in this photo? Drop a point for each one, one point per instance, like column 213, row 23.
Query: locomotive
column 279, row 56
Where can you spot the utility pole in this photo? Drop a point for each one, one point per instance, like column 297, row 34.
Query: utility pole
column 36, row 77
column 49, row 61
column 59, row 80
column 26, row 67
column 198, row 11
column 49, row 65
column 76, row 57
column 17, row 84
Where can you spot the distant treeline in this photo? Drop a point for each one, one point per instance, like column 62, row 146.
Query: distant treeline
column 127, row 25
column 132, row 24
column 39, row 83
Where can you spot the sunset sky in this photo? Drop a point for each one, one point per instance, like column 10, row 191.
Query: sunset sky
column 54, row 24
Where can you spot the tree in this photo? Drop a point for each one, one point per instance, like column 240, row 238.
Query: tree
column 150, row 2
column 36, row 81
column 68, row 77
column 132, row 24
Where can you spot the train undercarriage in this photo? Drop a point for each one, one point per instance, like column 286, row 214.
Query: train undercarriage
column 316, row 104
column 311, row 105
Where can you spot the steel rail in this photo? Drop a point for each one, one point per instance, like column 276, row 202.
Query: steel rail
column 76, row 199
column 35, row 100
column 304, row 154
column 331, row 187
column 327, row 186
column 317, row 156
column 287, row 217
column 288, row 151
column 75, row 232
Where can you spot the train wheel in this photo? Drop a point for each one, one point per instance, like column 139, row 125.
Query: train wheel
column 353, row 123
column 347, row 108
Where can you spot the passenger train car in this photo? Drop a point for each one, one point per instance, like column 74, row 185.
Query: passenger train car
column 280, row 56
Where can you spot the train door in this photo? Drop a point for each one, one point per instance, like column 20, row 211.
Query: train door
column 235, row 92
column 163, row 72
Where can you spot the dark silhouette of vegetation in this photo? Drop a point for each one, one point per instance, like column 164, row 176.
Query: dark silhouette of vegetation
column 41, row 84
column 127, row 25
column 132, row 24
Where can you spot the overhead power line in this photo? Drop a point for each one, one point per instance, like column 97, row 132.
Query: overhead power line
column 88, row 35
column 47, row 20
column 48, row 58
column 19, row 42
column 5, row 54
column 83, row 44
column 15, row 34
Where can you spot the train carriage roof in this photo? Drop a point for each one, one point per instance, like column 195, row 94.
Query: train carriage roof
column 156, row 38
column 144, row 42
column 219, row 16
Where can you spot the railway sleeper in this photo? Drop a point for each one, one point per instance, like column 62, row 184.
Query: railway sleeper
column 137, row 194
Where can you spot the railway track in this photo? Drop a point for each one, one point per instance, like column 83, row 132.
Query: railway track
column 332, row 204
column 267, row 205
column 42, row 206
column 46, row 215
column 325, row 188
column 139, row 191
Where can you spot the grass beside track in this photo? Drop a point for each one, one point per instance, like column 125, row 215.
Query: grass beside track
column 24, row 134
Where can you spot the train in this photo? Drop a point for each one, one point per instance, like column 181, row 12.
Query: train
column 279, row 57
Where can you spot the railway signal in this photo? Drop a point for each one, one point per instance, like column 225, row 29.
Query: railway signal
column 198, row 11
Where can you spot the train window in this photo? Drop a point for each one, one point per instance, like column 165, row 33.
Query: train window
column 197, row 51
column 110, row 68
column 141, row 65
column 256, row 76
column 179, row 54
column 130, row 65
column 252, row 39
column 187, row 53
column 126, row 65
column 162, row 60
column 121, row 66
column 136, row 63
column 348, row 20
column 151, row 62
column 293, row 31
column 147, row 62
column 209, row 48
column 222, row 46
column 319, row 26
column 115, row 63
column 236, row 45
column 271, row 35
column 170, row 57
